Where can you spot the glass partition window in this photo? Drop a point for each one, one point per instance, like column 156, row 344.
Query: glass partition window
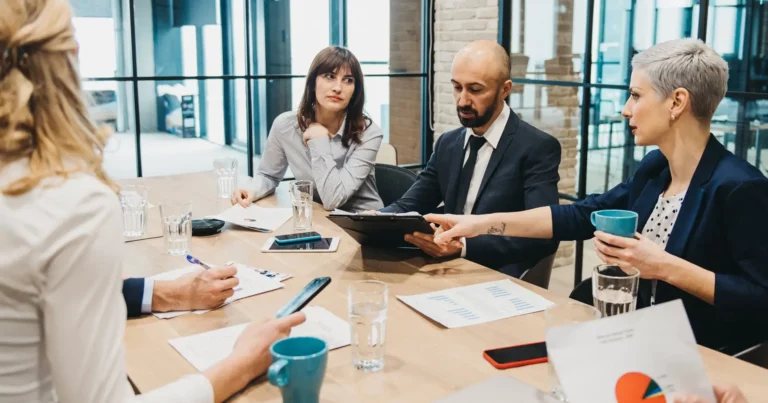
column 545, row 41
column 196, row 81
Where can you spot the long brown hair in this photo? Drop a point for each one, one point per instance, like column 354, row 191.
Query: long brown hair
column 330, row 60
column 43, row 115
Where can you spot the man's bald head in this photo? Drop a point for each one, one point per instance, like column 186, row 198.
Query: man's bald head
column 480, row 78
column 488, row 55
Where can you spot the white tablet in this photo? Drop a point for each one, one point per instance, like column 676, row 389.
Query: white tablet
column 323, row 245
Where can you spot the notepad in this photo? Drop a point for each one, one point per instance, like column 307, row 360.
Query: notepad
column 206, row 349
column 478, row 303
column 251, row 283
column 256, row 218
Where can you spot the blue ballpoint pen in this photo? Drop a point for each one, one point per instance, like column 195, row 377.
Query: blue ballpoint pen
column 194, row 260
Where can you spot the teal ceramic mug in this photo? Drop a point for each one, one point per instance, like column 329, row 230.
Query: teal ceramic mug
column 298, row 368
column 615, row 222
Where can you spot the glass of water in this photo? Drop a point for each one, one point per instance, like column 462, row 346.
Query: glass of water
column 133, row 199
column 301, row 198
column 177, row 227
column 614, row 290
column 226, row 173
column 367, row 302
column 561, row 315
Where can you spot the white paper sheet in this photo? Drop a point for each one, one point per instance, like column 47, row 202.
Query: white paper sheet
column 499, row 389
column 256, row 218
column 206, row 349
column 625, row 353
column 251, row 283
column 478, row 303
column 269, row 273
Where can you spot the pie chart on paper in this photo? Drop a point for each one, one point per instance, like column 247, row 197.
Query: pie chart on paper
column 635, row 387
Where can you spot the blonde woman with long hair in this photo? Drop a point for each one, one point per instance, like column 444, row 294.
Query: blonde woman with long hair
column 61, row 311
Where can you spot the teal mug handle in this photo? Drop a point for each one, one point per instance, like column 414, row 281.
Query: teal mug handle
column 592, row 218
column 276, row 373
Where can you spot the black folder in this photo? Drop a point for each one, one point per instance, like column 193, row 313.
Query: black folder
column 385, row 230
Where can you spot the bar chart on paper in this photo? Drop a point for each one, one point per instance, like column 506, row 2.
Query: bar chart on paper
column 478, row 303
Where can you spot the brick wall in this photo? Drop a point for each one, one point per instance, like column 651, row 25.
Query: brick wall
column 457, row 23
column 552, row 109
column 405, row 93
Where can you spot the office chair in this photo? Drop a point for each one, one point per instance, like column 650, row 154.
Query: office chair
column 392, row 182
column 540, row 273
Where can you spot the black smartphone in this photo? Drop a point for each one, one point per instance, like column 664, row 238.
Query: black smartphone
column 319, row 245
column 517, row 356
column 304, row 296
column 301, row 237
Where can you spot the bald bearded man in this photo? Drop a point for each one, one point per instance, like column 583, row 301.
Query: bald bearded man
column 494, row 163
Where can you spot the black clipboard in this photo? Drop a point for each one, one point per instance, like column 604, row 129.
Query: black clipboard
column 381, row 230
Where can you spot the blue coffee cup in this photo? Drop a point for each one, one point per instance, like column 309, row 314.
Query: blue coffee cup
column 615, row 222
column 298, row 368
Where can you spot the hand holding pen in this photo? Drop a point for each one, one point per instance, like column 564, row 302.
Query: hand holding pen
column 205, row 289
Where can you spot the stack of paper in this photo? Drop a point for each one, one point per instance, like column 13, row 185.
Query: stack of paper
column 206, row 349
column 478, row 303
column 649, row 355
column 256, row 218
column 251, row 283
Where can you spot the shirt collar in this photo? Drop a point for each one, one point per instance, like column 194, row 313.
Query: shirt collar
column 493, row 135
column 340, row 132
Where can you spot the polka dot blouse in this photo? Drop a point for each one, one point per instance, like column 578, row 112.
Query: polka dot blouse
column 663, row 218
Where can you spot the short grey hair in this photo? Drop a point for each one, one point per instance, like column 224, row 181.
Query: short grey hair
column 689, row 64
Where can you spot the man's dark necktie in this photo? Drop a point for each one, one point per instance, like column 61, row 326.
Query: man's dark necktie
column 475, row 142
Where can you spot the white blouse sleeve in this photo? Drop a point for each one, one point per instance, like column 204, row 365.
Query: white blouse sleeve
column 83, row 308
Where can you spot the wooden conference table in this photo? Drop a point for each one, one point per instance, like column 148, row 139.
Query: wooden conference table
column 424, row 361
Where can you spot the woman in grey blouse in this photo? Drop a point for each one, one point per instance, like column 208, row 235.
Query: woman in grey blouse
column 329, row 140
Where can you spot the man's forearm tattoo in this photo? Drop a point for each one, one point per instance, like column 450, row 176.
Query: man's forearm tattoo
column 497, row 230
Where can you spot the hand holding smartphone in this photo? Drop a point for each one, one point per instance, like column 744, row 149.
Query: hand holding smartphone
column 304, row 296
column 517, row 356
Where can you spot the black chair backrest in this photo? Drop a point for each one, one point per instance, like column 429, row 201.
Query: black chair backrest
column 392, row 182
column 540, row 273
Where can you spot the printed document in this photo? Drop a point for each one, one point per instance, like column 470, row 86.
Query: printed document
column 256, row 218
column 251, row 283
column 206, row 349
column 478, row 303
column 649, row 356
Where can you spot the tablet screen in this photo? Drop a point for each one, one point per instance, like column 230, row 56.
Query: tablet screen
column 322, row 244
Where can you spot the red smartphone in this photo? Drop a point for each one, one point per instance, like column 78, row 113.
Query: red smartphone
column 517, row 356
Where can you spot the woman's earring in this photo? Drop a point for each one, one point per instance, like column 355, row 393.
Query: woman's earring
column 673, row 117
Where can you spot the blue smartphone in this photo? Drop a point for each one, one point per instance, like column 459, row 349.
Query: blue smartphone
column 301, row 237
column 301, row 299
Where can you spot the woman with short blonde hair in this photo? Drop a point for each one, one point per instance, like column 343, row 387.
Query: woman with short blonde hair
column 61, row 311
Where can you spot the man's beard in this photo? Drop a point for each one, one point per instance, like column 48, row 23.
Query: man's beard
column 477, row 120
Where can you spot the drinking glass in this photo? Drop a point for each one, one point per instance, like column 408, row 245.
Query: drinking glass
column 226, row 173
column 561, row 315
column 133, row 199
column 301, row 198
column 367, row 302
column 177, row 227
column 614, row 290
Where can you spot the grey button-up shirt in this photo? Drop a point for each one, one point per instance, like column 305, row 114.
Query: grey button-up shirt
column 343, row 177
